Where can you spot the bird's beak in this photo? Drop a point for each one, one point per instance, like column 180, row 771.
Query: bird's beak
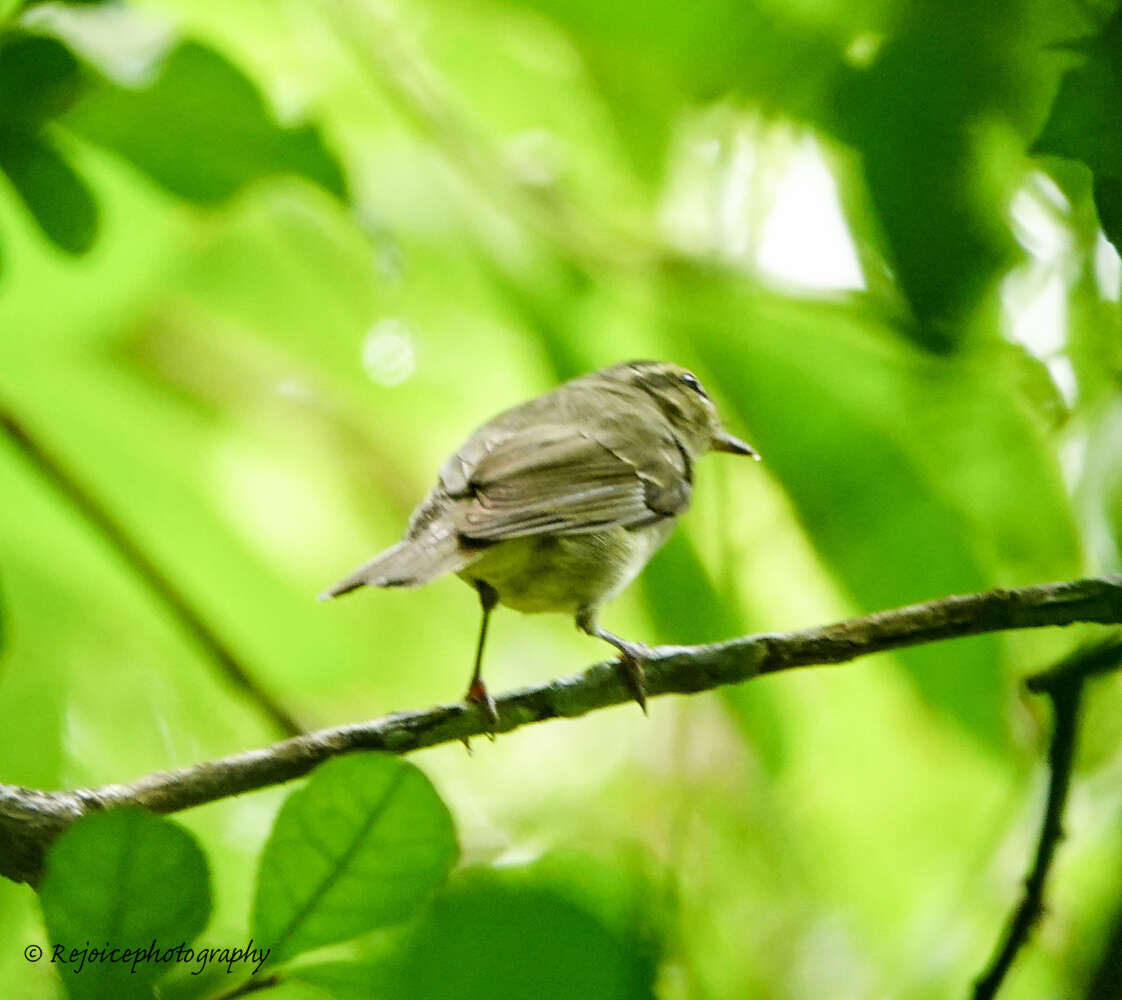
column 724, row 441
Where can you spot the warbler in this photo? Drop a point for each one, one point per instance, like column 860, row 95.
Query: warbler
column 558, row 503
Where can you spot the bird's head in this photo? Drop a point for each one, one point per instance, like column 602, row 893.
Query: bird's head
column 683, row 401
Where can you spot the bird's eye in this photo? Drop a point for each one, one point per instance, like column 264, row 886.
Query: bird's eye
column 691, row 380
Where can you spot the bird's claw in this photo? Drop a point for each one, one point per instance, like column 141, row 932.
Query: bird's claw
column 631, row 657
column 478, row 694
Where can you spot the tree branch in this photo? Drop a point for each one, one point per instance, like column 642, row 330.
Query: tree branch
column 29, row 819
column 1064, row 686
column 149, row 572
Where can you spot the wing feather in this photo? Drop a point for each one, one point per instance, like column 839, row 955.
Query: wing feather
column 561, row 479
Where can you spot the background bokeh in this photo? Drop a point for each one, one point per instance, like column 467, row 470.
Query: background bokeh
column 264, row 264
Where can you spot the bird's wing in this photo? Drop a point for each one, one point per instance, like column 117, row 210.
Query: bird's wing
column 563, row 479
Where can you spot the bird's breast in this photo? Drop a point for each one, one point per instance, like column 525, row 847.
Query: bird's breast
column 567, row 572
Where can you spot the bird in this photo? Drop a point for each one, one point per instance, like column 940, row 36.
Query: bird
column 556, row 505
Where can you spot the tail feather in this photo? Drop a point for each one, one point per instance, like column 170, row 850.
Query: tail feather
column 409, row 563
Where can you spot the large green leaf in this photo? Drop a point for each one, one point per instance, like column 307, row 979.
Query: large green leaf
column 899, row 467
column 360, row 846
column 122, row 880
column 202, row 129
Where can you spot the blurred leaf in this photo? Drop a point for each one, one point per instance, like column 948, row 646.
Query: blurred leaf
column 1084, row 123
column 362, row 845
column 898, row 468
column 914, row 114
column 39, row 79
column 52, row 190
column 124, row 878
column 492, row 935
column 202, row 130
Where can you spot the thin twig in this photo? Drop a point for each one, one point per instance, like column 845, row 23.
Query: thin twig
column 1065, row 708
column 30, row 819
column 149, row 572
column 1063, row 684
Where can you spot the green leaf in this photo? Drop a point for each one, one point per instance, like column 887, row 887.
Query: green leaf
column 505, row 935
column 202, row 130
column 52, row 190
column 122, row 879
column 362, row 845
column 39, row 79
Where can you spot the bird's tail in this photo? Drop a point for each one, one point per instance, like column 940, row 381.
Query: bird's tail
column 409, row 563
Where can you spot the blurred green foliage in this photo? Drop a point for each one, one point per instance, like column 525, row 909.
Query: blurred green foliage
column 265, row 264
column 544, row 937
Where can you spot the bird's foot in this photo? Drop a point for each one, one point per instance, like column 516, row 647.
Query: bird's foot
column 479, row 695
column 631, row 658
column 632, row 655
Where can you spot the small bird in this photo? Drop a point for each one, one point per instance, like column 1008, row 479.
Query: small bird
column 558, row 503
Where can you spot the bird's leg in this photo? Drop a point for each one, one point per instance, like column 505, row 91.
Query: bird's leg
column 631, row 655
column 477, row 690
